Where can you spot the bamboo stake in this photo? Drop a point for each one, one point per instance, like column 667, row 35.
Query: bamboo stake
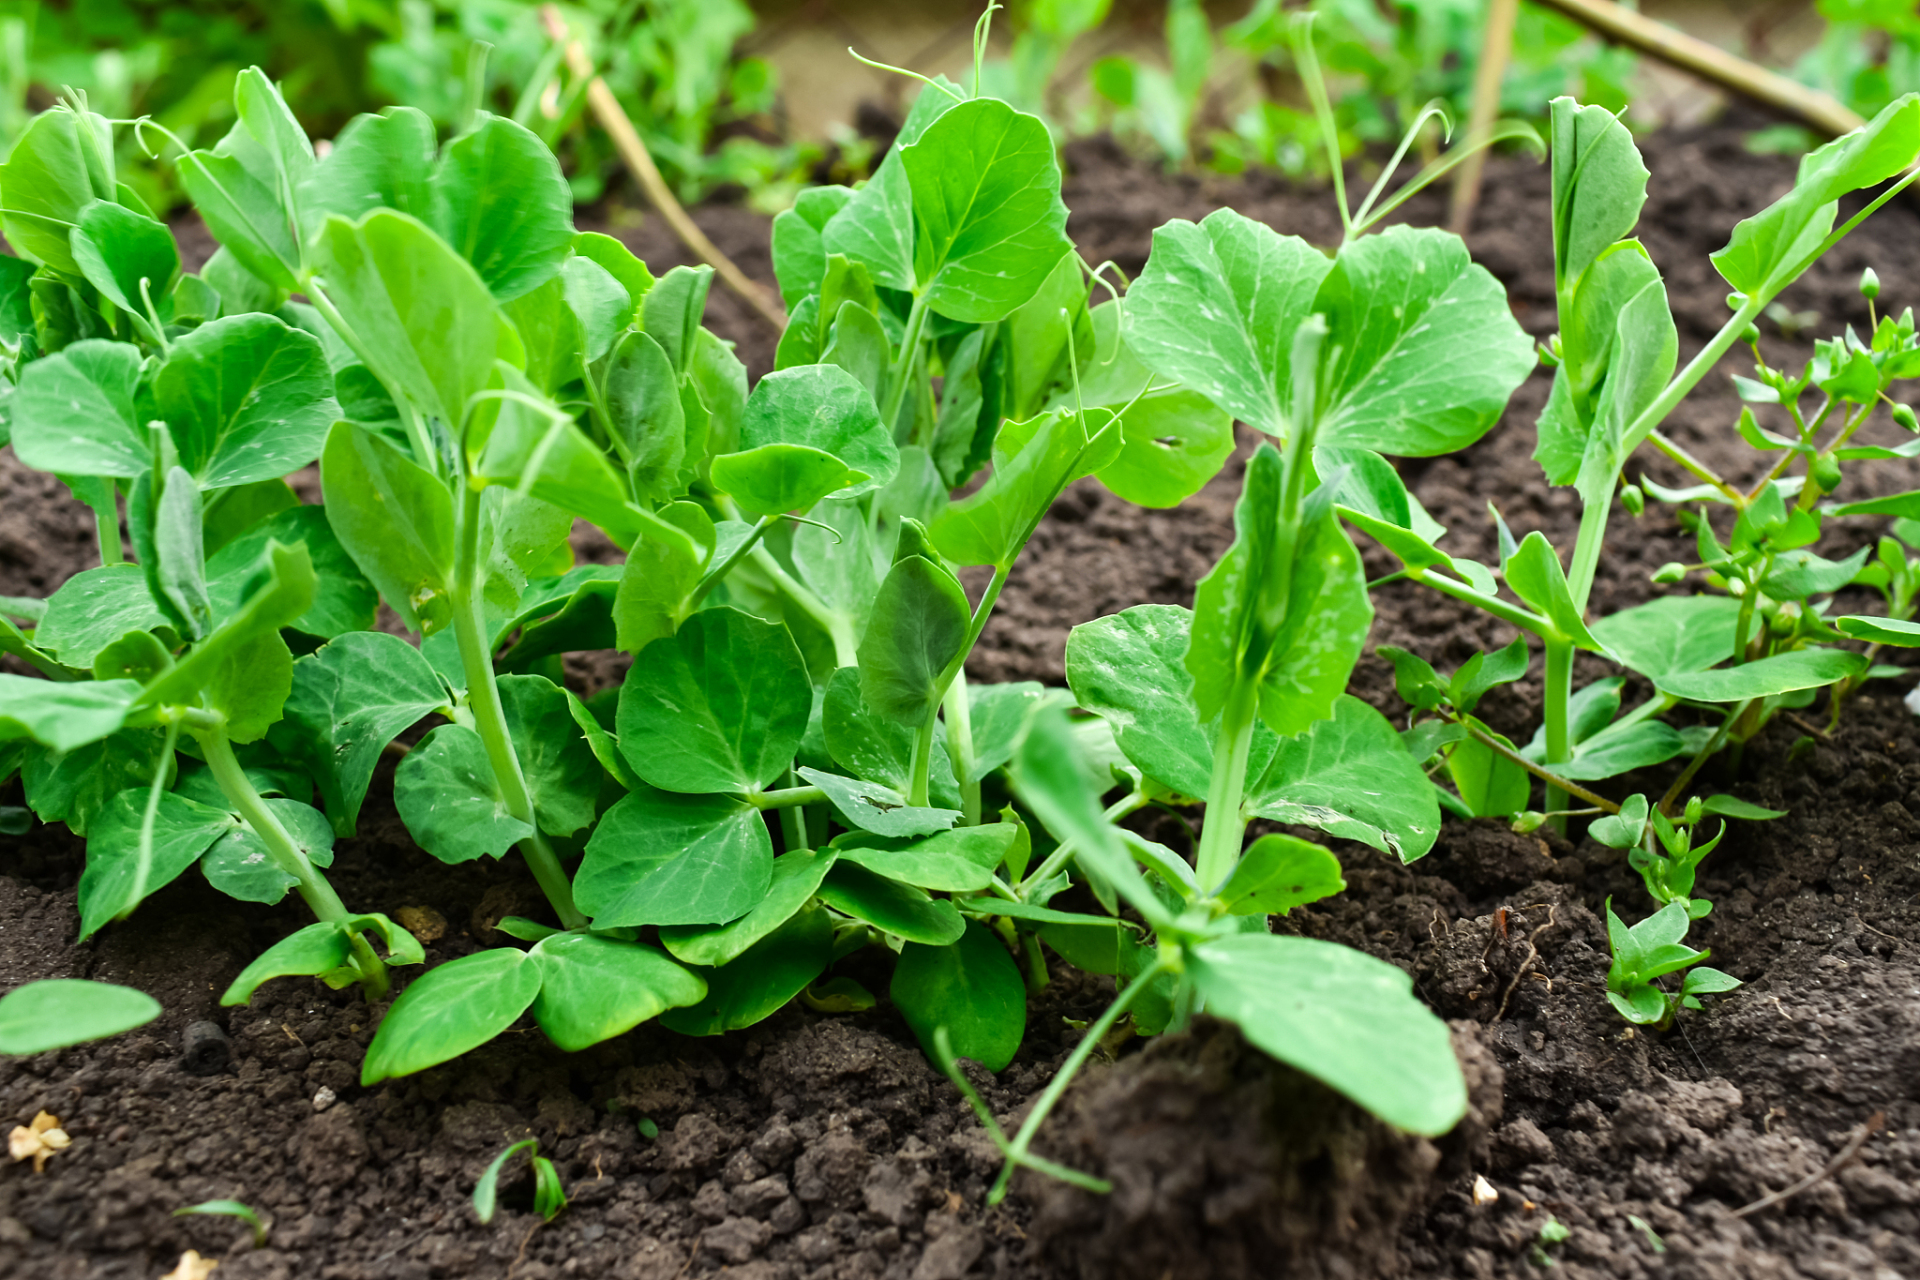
column 640, row 162
column 1710, row 62
column 1495, row 47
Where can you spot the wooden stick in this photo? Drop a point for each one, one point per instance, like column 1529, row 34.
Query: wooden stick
column 1495, row 47
column 640, row 162
column 1710, row 62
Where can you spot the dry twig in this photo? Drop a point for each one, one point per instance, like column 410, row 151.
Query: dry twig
column 1833, row 1166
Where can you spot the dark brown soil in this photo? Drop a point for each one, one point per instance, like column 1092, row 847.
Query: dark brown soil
column 824, row 1147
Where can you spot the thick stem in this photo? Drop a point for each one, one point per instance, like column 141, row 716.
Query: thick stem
column 960, row 747
column 1701, row 471
column 785, row 797
column 903, row 363
column 1524, row 619
column 1558, row 697
column 1539, row 771
column 918, row 784
column 490, row 718
column 1057, row 1087
column 734, row 557
column 106, row 529
column 1051, row 867
column 281, row 846
column 1225, row 824
column 839, row 627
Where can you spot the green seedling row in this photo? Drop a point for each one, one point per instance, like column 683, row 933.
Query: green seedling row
column 795, row 767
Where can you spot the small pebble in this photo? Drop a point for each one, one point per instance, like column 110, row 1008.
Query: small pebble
column 323, row 1099
column 1483, row 1192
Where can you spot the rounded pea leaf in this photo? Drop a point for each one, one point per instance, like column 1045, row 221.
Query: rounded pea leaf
column 899, row 909
column 988, row 222
column 499, row 198
column 1351, row 776
column 825, row 408
column 661, row 858
column 1278, row 873
column 970, row 987
column 60, row 162
column 593, row 988
column 246, row 398
column 962, row 860
column 775, row 478
column 562, row 775
column 880, row 809
column 720, row 706
column 796, row 878
column 74, row 786
column 60, row 715
column 448, row 1010
column 1672, row 634
column 350, row 698
column 1764, row 677
column 766, row 976
column 73, row 413
column 56, row 1012
column 239, row 865
column 119, row 250
column 395, row 519
column 122, row 869
column 319, row 948
column 1341, row 1016
column 447, row 795
column 343, row 600
column 917, row 629
column 1173, row 439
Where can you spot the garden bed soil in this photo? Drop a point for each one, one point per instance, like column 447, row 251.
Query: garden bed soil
column 824, row 1147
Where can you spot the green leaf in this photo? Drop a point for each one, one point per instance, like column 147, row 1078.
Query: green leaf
column 1622, row 830
column 893, row 907
column 962, row 860
column 664, row 566
column 1760, row 257
column 1672, row 634
column 1351, row 777
column 449, row 797
column 349, row 699
column 1172, row 439
column 876, row 226
column 562, row 775
column 1641, row 363
column 971, row 988
column 309, row 952
column 799, row 258
column 74, row 412
column 379, row 161
column 1764, row 677
column 231, row 512
column 219, row 666
column 424, row 318
column 1894, row 631
column 1599, row 186
column 721, row 706
column 1216, row 310
column 999, row 713
column 822, row 407
column 343, row 602
column 661, row 858
column 875, row 747
column 117, row 250
column 499, row 198
column 1343, row 1017
column 1734, row 807
column 672, row 309
column 987, row 217
column 94, row 608
column 917, row 630
column 777, row 478
column 1590, row 327
column 1535, row 575
column 62, row 716
column 593, row 989
column 1128, row 668
column 174, row 553
column 61, row 161
column 74, row 786
column 122, row 870
column 236, row 190
column 870, row 806
column 246, row 399
column 1609, row 754
column 52, row 1013
column 395, row 519
column 239, row 865
column 1033, row 463
column 1277, row 873
column 766, row 976
column 1484, row 671
column 796, row 878
column 448, row 1010
column 1489, row 783
column 649, row 425
column 1423, row 349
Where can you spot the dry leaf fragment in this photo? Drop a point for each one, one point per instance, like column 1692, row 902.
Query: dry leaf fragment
column 39, row 1141
column 192, row 1267
column 424, row 923
column 1483, row 1192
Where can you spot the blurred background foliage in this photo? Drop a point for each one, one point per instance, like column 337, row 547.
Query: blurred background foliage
column 1198, row 86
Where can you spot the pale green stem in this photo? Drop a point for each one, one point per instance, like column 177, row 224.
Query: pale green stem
column 903, row 362
column 280, row 844
column 1701, row 471
column 1225, row 824
column 784, row 798
column 734, row 557
column 839, row 627
column 1525, row 619
column 1558, row 697
column 106, row 529
column 1057, row 1087
column 960, row 747
column 923, row 739
column 490, row 719
column 918, row 787
column 793, row 822
column 423, row 450
column 151, row 814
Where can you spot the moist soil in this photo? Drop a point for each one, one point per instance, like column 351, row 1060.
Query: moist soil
column 824, row 1147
